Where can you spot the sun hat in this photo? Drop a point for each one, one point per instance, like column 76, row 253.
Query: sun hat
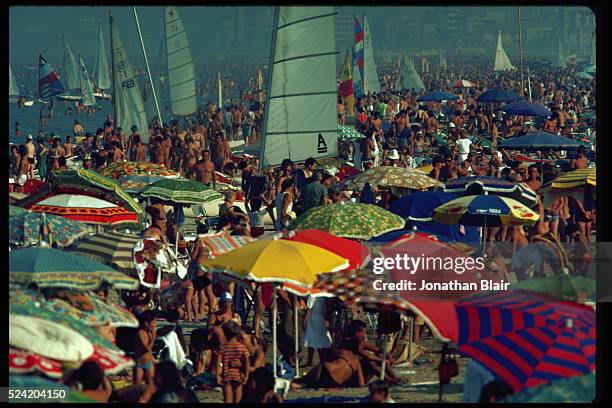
column 394, row 155
column 452, row 125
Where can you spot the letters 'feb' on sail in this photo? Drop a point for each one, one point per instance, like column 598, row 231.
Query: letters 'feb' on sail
column 129, row 109
column 302, row 118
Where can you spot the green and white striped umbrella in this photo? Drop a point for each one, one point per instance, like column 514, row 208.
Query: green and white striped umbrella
column 180, row 191
column 110, row 248
column 348, row 133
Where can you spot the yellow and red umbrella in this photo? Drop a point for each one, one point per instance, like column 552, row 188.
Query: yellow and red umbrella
column 485, row 210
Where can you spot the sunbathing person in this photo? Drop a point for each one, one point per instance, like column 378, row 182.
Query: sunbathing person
column 342, row 369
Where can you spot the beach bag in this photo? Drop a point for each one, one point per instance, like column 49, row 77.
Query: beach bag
column 448, row 367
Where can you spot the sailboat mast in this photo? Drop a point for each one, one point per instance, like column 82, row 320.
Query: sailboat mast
column 114, row 98
column 529, row 84
column 147, row 64
column 521, row 50
column 363, row 89
column 268, row 90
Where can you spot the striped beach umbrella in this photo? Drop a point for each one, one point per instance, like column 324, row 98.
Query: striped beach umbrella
column 576, row 178
column 525, row 339
column 475, row 185
column 485, row 210
column 109, row 248
column 180, row 191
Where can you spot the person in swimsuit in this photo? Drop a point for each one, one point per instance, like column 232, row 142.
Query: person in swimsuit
column 143, row 348
column 200, row 277
column 342, row 369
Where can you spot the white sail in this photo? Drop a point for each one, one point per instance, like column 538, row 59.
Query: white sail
column 370, row 75
column 593, row 50
column 129, row 109
column 13, row 87
column 301, row 120
column 502, row 63
column 411, row 79
column 181, row 76
column 72, row 72
column 87, row 93
column 102, row 74
column 560, row 54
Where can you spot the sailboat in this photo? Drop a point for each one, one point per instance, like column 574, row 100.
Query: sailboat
column 502, row 62
column 300, row 119
column 345, row 88
column 87, row 94
column 357, row 82
column 48, row 81
column 181, row 75
column 101, row 72
column 127, row 101
column 560, row 54
column 370, row 74
column 13, row 87
column 72, row 74
column 410, row 78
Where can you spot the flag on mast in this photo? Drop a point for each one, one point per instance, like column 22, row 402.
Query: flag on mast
column 346, row 85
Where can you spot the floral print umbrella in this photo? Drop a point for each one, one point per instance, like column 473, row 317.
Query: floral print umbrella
column 181, row 191
column 29, row 228
column 349, row 220
column 119, row 169
column 387, row 176
column 136, row 183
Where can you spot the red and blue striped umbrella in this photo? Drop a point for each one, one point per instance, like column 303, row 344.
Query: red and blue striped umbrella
column 527, row 339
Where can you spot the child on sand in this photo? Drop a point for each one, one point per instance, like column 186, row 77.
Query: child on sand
column 233, row 364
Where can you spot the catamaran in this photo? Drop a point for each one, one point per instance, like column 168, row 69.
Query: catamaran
column 502, row 62
column 101, row 72
column 127, row 100
column 300, row 119
column 72, row 74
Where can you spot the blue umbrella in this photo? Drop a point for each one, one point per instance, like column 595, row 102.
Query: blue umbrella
column 499, row 95
column 540, row 141
column 437, row 96
column 419, row 206
column 476, row 185
column 526, row 109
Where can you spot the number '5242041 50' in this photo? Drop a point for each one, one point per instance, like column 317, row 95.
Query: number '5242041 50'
column 35, row 394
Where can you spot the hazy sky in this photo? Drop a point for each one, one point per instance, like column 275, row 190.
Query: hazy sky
column 234, row 30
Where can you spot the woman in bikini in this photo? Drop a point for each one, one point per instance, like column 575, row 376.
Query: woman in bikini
column 343, row 369
column 201, row 278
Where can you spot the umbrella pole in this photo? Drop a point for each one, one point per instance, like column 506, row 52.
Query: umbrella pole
column 410, row 339
column 297, row 340
column 384, row 358
column 274, row 307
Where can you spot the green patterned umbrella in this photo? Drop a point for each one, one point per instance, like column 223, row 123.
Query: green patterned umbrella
column 348, row 133
column 349, row 220
column 387, row 176
column 53, row 268
column 29, row 228
column 574, row 389
column 180, row 191
column 574, row 288
column 88, row 178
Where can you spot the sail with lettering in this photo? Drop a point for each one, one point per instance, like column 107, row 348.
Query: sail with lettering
column 181, row 76
column 300, row 117
column 346, row 85
column 356, row 77
column 101, row 72
column 502, row 63
column 87, row 94
column 70, row 65
column 410, row 78
column 129, row 109
column 370, row 74
column 13, row 87
column 48, row 81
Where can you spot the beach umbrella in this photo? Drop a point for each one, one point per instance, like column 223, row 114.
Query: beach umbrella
column 180, row 191
column 485, row 211
column 567, row 287
column 110, row 248
column 463, row 83
column 476, row 185
column 449, row 234
column 525, row 108
column 85, row 208
column 220, row 243
column 49, row 267
column 40, row 383
column 349, row 220
column 437, row 96
column 568, row 390
column 137, row 183
column 575, row 179
column 356, row 253
column 91, row 183
column 540, row 141
column 348, row 133
column 116, row 170
column 29, row 228
column 499, row 95
column 525, row 339
column 387, row 176
column 419, row 206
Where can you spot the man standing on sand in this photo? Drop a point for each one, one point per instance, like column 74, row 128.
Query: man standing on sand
column 204, row 171
column 236, row 122
column 140, row 151
column 30, row 154
column 132, row 144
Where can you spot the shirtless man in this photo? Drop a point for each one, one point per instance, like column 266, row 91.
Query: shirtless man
column 236, row 122
column 190, row 157
column 166, row 144
column 204, row 170
column 286, row 168
column 140, row 151
column 581, row 161
column 197, row 138
column 68, row 146
column 117, row 153
column 30, row 155
column 532, row 181
column 449, row 170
